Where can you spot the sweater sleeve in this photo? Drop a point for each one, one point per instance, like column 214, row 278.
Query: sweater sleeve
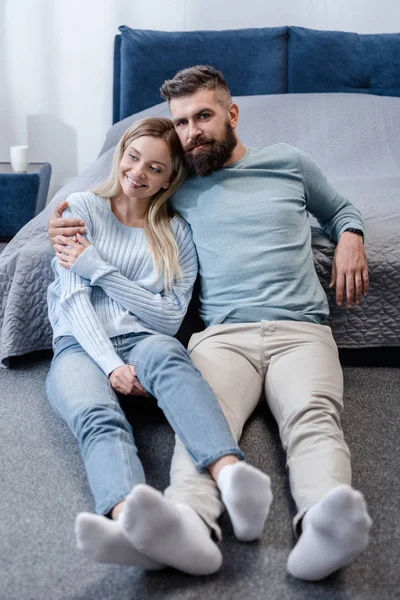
column 77, row 309
column 334, row 212
column 163, row 312
column 83, row 321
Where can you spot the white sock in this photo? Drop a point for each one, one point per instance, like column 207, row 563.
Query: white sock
column 246, row 493
column 171, row 534
column 334, row 532
column 103, row 540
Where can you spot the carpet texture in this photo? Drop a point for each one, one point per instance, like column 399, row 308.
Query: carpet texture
column 43, row 486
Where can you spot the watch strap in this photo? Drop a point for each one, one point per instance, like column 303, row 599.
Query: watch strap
column 357, row 231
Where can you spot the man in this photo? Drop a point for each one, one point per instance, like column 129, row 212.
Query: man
column 265, row 314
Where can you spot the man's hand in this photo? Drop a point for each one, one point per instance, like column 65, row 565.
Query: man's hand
column 67, row 251
column 59, row 226
column 124, row 381
column 349, row 269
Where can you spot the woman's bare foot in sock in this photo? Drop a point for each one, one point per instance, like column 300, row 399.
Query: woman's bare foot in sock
column 334, row 532
column 246, row 493
column 102, row 539
column 168, row 533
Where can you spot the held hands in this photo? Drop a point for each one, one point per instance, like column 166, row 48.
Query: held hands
column 349, row 269
column 64, row 235
column 67, row 250
column 66, row 227
column 124, row 381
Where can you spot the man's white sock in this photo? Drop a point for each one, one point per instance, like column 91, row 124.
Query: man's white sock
column 334, row 532
column 246, row 493
column 170, row 534
column 103, row 540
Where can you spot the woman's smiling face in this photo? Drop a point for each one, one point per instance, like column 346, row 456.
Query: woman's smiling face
column 145, row 167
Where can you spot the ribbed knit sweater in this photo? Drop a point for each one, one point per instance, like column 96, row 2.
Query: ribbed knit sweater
column 112, row 288
column 251, row 228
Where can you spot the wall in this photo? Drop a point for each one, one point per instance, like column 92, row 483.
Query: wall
column 56, row 60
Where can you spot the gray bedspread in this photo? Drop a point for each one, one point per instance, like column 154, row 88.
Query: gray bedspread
column 355, row 138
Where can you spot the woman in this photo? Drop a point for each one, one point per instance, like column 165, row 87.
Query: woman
column 118, row 298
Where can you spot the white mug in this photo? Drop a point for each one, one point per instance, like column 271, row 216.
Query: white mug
column 19, row 158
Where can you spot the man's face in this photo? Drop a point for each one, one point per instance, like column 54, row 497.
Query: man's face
column 204, row 127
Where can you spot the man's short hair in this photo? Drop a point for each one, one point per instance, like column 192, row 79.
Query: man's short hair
column 188, row 81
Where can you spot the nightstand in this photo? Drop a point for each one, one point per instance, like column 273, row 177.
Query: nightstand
column 22, row 196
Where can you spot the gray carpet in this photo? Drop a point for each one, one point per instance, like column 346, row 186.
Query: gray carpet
column 43, row 486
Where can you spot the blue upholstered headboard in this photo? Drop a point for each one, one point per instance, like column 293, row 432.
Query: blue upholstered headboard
column 275, row 60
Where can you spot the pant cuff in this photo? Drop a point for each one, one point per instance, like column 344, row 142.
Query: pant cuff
column 106, row 506
column 188, row 500
column 215, row 529
column 203, row 465
column 297, row 522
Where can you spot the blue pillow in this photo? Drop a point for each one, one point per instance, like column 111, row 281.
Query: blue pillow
column 253, row 61
column 336, row 61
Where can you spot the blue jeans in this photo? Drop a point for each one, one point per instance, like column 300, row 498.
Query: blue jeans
column 82, row 395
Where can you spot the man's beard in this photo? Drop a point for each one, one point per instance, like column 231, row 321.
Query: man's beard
column 213, row 155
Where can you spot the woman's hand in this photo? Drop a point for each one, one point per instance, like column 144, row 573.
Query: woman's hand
column 124, row 381
column 67, row 251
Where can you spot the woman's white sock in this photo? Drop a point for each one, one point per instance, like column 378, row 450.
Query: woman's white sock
column 246, row 493
column 334, row 532
column 103, row 540
column 170, row 534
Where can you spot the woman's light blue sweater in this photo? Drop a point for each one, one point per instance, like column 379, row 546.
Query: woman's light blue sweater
column 112, row 288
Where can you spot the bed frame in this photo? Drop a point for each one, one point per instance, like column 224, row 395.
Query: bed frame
column 274, row 60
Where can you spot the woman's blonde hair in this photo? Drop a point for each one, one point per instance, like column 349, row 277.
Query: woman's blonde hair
column 161, row 240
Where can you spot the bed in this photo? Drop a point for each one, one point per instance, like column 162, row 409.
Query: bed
column 335, row 95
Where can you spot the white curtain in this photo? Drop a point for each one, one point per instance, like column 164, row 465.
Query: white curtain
column 56, row 60
column 56, row 75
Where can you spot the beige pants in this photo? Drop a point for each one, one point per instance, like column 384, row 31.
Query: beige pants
column 296, row 365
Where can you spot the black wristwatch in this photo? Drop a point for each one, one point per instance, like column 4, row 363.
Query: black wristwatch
column 357, row 231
